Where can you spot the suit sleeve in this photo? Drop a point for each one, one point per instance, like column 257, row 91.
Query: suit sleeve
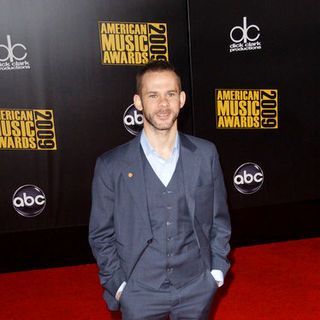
column 221, row 229
column 101, row 230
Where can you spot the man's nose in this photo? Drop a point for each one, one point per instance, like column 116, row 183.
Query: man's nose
column 163, row 101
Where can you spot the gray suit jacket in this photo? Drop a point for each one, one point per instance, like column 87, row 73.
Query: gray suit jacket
column 119, row 229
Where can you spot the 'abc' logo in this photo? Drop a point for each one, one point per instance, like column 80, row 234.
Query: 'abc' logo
column 13, row 52
column 243, row 32
column 248, row 178
column 133, row 120
column 29, row 200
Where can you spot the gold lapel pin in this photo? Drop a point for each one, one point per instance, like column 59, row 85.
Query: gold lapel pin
column 130, row 174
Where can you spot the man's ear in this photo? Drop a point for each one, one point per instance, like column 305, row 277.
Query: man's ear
column 182, row 99
column 137, row 102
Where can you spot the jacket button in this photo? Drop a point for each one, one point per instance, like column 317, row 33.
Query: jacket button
column 149, row 241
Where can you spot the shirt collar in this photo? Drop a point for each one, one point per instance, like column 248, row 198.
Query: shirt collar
column 148, row 149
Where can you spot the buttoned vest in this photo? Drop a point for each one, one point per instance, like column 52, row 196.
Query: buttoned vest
column 173, row 255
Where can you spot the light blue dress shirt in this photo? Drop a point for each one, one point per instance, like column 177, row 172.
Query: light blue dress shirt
column 164, row 169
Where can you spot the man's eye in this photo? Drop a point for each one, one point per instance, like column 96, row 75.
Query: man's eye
column 153, row 96
column 171, row 94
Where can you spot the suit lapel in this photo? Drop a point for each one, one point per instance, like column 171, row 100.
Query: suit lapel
column 134, row 178
column 191, row 170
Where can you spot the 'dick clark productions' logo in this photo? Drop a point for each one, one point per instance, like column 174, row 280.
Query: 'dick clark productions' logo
column 245, row 37
column 248, row 178
column 29, row 200
column 133, row 120
column 27, row 129
column 246, row 108
column 13, row 56
column 132, row 43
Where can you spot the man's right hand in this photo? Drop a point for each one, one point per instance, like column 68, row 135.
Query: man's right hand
column 118, row 295
column 120, row 290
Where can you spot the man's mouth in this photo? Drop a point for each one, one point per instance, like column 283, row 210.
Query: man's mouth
column 163, row 115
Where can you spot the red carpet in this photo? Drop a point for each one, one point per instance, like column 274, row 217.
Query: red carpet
column 279, row 281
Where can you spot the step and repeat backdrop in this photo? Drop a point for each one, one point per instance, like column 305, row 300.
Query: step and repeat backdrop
column 67, row 71
column 256, row 95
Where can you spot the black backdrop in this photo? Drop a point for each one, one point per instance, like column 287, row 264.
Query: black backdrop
column 64, row 73
column 287, row 205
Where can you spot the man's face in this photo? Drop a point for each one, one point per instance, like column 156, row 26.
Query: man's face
column 160, row 100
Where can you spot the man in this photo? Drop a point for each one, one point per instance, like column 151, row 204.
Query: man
column 159, row 226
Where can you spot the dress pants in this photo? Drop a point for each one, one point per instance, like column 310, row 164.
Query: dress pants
column 190, row 302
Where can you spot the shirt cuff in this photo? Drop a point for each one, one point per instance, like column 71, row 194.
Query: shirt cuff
column 123, row 284
column 218, row 276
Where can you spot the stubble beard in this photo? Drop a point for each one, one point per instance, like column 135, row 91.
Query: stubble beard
column 159, row 125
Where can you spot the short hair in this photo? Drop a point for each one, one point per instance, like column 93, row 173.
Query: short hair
column 154, row 66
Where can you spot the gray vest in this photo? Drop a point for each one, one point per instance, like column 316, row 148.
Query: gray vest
column 173, row 255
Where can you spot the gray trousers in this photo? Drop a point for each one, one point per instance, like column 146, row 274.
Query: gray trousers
column 190, row 302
